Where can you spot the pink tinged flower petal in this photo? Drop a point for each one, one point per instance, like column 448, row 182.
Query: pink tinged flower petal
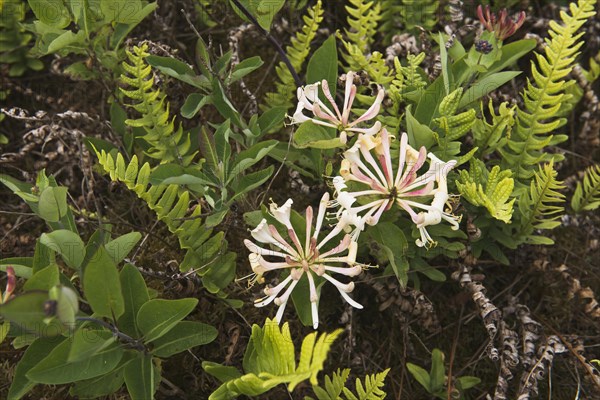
column 282, row 301
column 356, row 175
column 341, row 287
column 385, row 161
column 520, row 19
column 412, row 173
column 283, row 244
column 326, row 115
column 345, row 219
column 359, row 169
column 329, row 97
column 309, row 218
column 343, row 292
column 348, row 271
column 262, row 251
column 272, row 293
column 374, row 219
column 344, row 244
column 366, row 131
column 408, row 209
column 373, row 110
column 348, row 100
column 401, row 157
column 321, row 215
column 370, row 206
column 418, row 192
column 296, row 241
column 271, row 266
column 376, row 167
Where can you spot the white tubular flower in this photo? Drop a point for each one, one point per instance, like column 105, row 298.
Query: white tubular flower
column 316, row 259
column 308, row 99
column 369, row 164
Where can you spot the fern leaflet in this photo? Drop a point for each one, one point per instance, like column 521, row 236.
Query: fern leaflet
column 371, row 390
column 453, row 127
column 587, row 192
column 415, row 13
column 545, row 93
column 166, row 143
column 494, row 195
column 363, row 20
column 538, row 208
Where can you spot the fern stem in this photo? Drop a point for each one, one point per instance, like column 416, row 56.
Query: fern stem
column 273, row 41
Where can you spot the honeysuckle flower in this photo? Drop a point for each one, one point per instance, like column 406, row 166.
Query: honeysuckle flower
column 369, row 163
column 502, row 25
column 308, row 99
column 317, row 258
column 11, row 284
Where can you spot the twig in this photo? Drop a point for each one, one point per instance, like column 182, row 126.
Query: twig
column 135, row 343
column 271, row 39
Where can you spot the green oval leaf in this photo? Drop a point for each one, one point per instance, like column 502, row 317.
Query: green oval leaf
column 53, row 203
column 157, row 317
column 66, row 243
column 183, row 336
column 55, row 368
column 102, row 286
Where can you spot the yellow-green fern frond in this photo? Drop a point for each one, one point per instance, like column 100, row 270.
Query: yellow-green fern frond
column 363, row 17
column 363, row 20
column 545, row 93
column 415, row 13
column 335, row 385
column 587, row 193
column 297, row 52
column 492, row 192
column 490, row 137
column 204, row 251
column 166, row 143
column 539, row 207
column 371, row 389
column 270, row 360
column 452, row 126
